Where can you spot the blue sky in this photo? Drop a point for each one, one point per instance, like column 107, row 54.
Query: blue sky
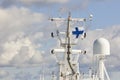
column 25, row 41
column 105, row 12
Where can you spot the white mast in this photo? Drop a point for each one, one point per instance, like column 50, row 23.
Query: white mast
column 68, row 68
column 101, row 68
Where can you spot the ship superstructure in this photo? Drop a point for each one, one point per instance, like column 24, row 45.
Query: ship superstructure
column 69, row 63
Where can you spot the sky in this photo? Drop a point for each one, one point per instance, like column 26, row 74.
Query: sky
column 25, row 41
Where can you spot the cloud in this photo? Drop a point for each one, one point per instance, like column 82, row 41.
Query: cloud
column 19, row 17
column 36, row 58
column 15, row 19
column 19, row 48
column 3, row 74
column 8, row 3
column 23, row 76
column 16, row 25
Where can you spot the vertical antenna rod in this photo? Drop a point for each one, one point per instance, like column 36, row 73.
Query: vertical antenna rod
column 68, row 45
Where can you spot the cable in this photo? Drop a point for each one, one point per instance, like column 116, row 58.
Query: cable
column 70, row 65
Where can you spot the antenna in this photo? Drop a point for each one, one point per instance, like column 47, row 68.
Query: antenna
column 101, row 48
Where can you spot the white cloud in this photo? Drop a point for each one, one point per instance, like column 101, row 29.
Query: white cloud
column 20, row 52
column 3, row 74
column 13, row 20
column 36, row 58
column 16, row 25
column 19, row 17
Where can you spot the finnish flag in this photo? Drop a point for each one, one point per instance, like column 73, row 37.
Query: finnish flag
column 77, row 32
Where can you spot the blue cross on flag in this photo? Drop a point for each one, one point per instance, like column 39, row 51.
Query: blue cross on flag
column 77, row 32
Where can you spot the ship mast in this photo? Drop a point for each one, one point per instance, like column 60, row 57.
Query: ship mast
column 67, row 71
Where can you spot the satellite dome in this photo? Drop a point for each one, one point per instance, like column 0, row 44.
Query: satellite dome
column 101, row 46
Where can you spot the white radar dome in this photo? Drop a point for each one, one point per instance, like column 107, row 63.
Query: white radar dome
column 101, row 46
